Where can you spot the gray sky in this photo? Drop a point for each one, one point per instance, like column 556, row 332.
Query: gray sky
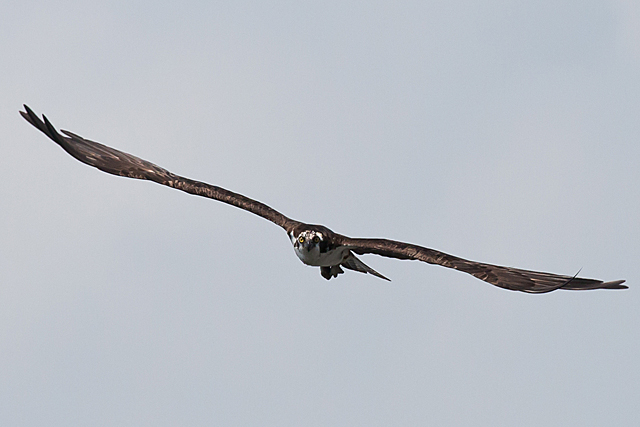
column 501, row 131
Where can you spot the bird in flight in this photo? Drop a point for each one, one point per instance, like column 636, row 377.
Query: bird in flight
column 315, row 245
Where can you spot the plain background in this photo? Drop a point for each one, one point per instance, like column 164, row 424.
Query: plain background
column 501, row 131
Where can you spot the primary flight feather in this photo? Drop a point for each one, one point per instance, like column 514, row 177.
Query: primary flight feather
column 315, row 245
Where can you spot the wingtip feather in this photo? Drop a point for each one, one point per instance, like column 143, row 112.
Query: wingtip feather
column 28, row 114
column 616, row 284
column 53, row 133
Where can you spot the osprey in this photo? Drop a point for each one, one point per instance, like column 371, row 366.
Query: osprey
column 315, row 245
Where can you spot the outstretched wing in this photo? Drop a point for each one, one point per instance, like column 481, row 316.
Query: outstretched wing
column 116, row 162
column 515, row 279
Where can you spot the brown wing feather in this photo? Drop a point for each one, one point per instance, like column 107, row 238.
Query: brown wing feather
column 505, row 277
column 116, row 162
column 119, row 163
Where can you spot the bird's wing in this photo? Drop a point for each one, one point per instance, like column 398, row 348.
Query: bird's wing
column 514, row 279
column 116, row 162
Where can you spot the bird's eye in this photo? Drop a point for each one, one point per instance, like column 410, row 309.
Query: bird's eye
column 316, row 239
column 301, row 239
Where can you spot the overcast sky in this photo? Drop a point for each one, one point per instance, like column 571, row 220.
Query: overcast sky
column 501, row 131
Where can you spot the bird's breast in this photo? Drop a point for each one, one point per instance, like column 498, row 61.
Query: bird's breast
column 321, row 259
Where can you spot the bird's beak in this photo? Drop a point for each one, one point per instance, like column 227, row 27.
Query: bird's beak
column 308, row 244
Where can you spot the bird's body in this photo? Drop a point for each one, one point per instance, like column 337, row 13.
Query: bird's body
column 313, row 249
column 315, row 245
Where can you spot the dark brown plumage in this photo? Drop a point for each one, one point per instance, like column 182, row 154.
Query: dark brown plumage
column 119, row 163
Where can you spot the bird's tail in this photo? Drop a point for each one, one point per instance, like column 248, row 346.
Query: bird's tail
column 353, row 263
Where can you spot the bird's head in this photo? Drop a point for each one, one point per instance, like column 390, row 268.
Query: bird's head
column 307, row 240
column 312, row 243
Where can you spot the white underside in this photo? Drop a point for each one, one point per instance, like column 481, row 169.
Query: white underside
column 317, row 259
